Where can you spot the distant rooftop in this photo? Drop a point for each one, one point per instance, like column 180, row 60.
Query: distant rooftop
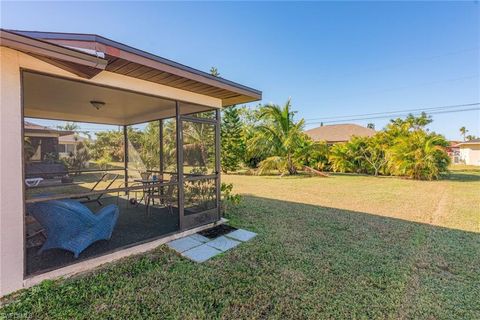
column 72, row 138
column 339, row 132
column 31, row 127
column 473, row 141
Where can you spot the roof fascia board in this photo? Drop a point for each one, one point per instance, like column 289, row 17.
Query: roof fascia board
column 44, row 48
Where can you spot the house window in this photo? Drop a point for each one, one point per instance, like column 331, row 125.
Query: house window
column 69, row 148
column 66, row 148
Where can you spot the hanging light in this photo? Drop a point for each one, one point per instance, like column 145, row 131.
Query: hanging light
column 97, row 104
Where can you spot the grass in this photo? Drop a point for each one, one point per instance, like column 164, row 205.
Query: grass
column 340, row 247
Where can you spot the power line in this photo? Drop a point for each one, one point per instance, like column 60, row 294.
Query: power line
column 407, row 61
column 398, row 111
column 422, row 84
column 394, row 116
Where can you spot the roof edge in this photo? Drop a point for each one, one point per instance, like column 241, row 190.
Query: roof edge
column 47, row 49
column 41, row 35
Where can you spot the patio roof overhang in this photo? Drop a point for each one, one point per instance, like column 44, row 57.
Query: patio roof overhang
column 87, row 55
column 54, row 97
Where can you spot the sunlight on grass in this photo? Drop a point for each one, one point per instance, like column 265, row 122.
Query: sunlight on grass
column 453, row 202
column 327, row 248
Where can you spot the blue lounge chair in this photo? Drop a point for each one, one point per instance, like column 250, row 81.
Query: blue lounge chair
column 70, row 225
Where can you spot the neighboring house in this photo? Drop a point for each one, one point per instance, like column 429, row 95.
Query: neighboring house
column 453, row 152
column 67, row 144
column 43, row 140
column 470, row 152
column 89, row 78
column 339, row 133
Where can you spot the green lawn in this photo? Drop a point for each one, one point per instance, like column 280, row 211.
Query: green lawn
column 339, row 247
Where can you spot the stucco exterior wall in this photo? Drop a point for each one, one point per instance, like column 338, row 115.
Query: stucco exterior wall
column 470, row 154
column 11, row 188
column 11, row 172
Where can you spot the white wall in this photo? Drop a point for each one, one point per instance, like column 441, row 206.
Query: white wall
column 11, row 188
column 470, row 154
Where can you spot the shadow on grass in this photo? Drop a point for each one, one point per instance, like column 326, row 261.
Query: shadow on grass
column 463, row 176
column 422, row 270
column 307, row 262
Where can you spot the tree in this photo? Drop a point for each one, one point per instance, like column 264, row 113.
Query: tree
column 199, row 144
column 341, row 159
column 373, row 152
column 69, row 126
column 214, row 72
column 233, row 146
column 111, row 143
column 403, row 148
column 400, row 126
column 470, row 137
column 78, row 160
column 169, row 145
column 371, row 126
column 463, row 132
column 108, row 144
column 249, row 117
column 75, row 127
column 28, row 149
column 150, row 146
column 419, row 155
column 278, row 137
column 312, row 154
column 350, row 156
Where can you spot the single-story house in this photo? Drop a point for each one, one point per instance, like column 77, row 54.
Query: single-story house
column 67, row 144
column 453, row 151
column 42, row 140
column 470, row 152
column 337, row 133
column 92, row 79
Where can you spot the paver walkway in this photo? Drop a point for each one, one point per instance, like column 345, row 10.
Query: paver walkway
column 199, row 248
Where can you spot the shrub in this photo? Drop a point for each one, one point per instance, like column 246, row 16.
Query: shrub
column 419, row 155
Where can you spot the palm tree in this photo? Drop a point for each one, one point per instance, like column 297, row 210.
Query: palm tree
column 419, row 156
column 340, row 158
column 150, row 146
column 463, row 132
column 311, row 153
column 199, row 139
column 278, row 138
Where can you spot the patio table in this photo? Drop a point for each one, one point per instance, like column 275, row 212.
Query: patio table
column 148, row 189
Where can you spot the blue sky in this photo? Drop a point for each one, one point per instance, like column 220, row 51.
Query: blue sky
column 332, row 59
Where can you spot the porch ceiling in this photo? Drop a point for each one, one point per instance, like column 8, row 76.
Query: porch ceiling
column 62, row 99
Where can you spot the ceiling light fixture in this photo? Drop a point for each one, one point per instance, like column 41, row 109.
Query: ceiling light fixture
column 97, row 104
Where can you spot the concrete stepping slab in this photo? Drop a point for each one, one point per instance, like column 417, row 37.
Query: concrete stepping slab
column 223, row 243
column 199, row 237
column 184, row 244
column 241, row 235
column 201, row 253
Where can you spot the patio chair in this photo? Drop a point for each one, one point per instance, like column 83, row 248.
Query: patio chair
column 165, row 199
column 71, row 226
column 96, row 198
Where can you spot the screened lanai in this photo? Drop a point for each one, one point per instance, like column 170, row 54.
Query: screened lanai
column 154, row 160
column 109, row 151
